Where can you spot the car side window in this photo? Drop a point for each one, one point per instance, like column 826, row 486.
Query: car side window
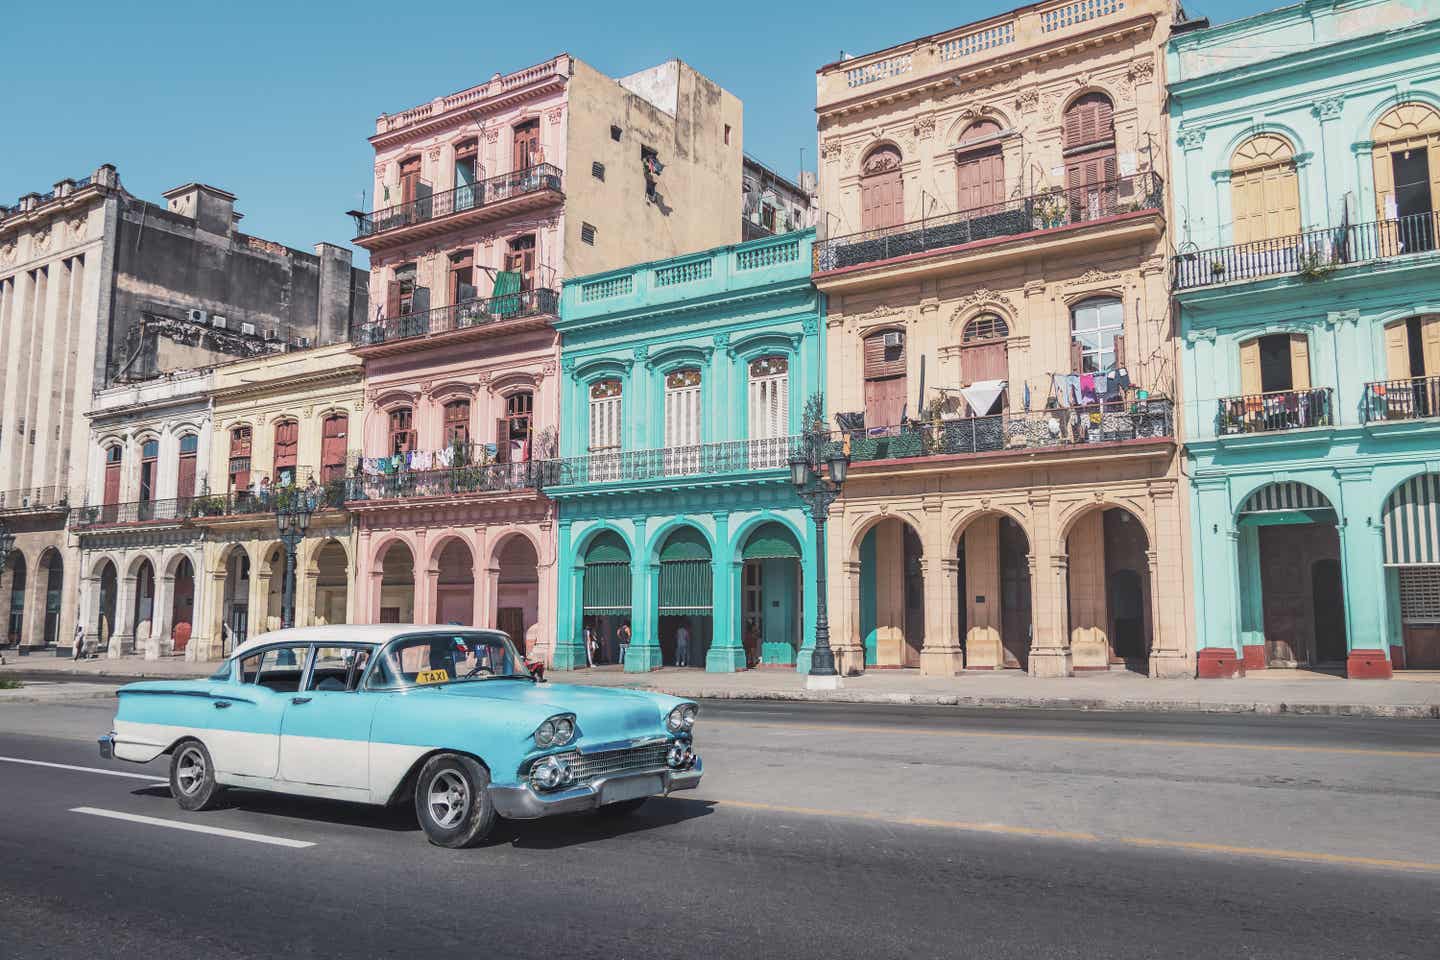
column 338, row 669
column 281, row 668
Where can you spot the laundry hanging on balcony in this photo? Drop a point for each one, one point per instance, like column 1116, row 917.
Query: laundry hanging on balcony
column 982, row 396
column 1412, row 523
column 506, row 294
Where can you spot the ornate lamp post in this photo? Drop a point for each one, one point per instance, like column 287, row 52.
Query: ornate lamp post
column 7, row 543
column 292, row 519
column 818, row 476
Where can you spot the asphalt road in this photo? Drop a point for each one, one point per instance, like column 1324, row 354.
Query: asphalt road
column 819, row 831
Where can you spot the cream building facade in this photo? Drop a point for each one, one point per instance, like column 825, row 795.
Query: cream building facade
column 998, row 314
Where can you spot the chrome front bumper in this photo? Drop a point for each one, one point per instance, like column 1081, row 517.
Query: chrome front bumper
column 107, row 746
column 524, row 802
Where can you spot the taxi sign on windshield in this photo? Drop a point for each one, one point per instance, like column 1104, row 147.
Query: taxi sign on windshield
column 432, row 676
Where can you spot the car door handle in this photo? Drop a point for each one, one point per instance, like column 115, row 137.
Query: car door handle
column 299, row 700
column 222, row 704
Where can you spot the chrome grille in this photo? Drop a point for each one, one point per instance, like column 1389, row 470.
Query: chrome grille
column 607, row 763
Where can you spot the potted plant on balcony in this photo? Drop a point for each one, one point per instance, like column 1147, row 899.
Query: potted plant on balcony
column 1051, row 209
column 1314, row 262
column 1217, row 268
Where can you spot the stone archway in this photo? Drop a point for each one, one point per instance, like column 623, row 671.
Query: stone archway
column 455, row 583
column 235, row 614
column 396, row 598
column 1109, row 590
column 51, row 580
column 892, row 596
column 517, row 594
column 330, row 568
column 994, row 599
column 182, row 603
column 17, row 577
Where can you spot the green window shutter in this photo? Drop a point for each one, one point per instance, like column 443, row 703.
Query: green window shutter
column 507, row 286
column 772, row 541
column 686, row 543
column 685, row 587
column 606, row 589
column 607, row 547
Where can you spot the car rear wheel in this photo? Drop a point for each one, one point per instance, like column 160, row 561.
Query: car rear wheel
column 452, row 801
column 622, row 808
column 192, row 777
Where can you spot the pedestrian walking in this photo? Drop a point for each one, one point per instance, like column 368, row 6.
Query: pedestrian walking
column 682, row 646
column 589, row 647
column 623, row 635
column 79, row 652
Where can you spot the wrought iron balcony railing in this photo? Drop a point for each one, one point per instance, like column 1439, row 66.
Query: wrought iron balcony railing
column 450, row 481
column 1046, row 211
column 92, row 516
column 1415, row 398
column 458, row 316
column 1275, row 411
column 471, row 196
column 1028, row 430
column 1311, row 254
column 242, row 503
column 33, row 499
column 694, row 460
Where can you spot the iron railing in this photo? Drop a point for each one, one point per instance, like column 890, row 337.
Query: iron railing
column 472, row 196
column 1311, row 254
column 1045, row 211
column 34, row 498
column 450, row 481
column 692, row 460
column 1028, row 430
column 1415, row 398
column 1275, row 411
column 458, row 316
column 90, row 516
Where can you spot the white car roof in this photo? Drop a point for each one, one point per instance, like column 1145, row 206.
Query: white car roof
column 376, row 633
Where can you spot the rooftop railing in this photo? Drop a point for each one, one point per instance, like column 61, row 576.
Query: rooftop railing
column 1007, row 218
column 1312, row 254
column 1275, row 411
column 1414, row 398
column 691, row 460
column 1034, row 430
column 92, row 516
column 472, row 196
column 458, row 316
column 450, row 481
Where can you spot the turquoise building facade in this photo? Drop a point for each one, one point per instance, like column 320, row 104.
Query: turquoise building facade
column 684, row 384
column 1306, row 174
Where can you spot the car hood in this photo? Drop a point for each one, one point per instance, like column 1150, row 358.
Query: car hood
column 603, row 715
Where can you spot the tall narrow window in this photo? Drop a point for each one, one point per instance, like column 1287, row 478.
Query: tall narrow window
column 512, row 431
column 409, row 179
column 402, row 432
column 114, row 461
column 462, row 276
column 1264, row 191
column 527, row 144
column 401, row 293
column 1097, row 338
column 682, row 421
column 769, row 397
column 239, row 466
column 466, row 172
column 520, row 258
column 1276, row 363
column 884, row 378
column 1089, row 151
column 984, row 355
column 605, row 416
column 185, row 477
column 882, row 191
column 457, row 423
column 334, row 445
column 1406, row 164
column 287, row 447
column 149, row 466
column 980, row 168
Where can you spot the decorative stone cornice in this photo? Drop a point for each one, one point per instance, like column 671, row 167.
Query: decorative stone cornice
column 1192, row 139
column 1329, row 108
column 1204, row 333
column 1336, row 317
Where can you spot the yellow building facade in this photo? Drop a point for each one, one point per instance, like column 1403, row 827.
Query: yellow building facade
column 999, row 352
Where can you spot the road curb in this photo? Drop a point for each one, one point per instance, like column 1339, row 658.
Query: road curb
column 59, row 697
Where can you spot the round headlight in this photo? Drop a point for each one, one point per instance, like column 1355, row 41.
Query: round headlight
column 680, row 719
column 689, row 715
column 545, row 734
column 564, row 730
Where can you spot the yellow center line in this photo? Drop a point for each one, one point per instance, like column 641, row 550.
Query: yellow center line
column 1264, row 853
column 1078, row 738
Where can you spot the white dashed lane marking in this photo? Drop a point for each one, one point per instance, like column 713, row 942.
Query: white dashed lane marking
column 194, row 828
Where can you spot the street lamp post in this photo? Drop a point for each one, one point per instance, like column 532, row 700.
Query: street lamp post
column 818, row 476
column 292, row 519
column 7, row 543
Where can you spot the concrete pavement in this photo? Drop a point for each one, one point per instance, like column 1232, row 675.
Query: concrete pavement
column 1410, row 695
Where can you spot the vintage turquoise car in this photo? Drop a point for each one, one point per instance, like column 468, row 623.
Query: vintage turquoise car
column 447, row 716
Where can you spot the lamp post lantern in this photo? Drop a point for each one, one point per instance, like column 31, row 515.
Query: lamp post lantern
column 292, row 519
column 818, row 472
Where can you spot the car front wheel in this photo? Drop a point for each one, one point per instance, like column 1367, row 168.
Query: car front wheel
column 452, row 801
column 192, row 777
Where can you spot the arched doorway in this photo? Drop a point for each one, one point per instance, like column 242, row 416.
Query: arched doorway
column 15, row 623
column 994, row 594
column 980, row 169
column 685, row 602
column 882, row 189
column 455, row 585
column 143, row 607
column 892, row 595
column 332, row 584
column 182, row 606
column 235, row 611
column 397, row 584
column 772, row 608
column 272, row 570
column 1411, row 523
column 109, row 590
column 517, row 599
column 1287, row 532
column 53, row 568
column 605, row 589
column 1109, row 586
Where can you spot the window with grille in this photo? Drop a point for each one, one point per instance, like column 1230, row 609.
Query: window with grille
column 597, row 170
column 402, row 433
column 988, row 327
column 605, row 420
column 587, row 233
column 682, row 408
column 457, row 422
column 615, row 133
column 1420, row 594
column 769, row 397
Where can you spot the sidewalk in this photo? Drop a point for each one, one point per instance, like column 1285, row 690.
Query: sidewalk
column 1409, row 695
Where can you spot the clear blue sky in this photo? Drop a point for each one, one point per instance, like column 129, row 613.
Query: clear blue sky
column 273, row 101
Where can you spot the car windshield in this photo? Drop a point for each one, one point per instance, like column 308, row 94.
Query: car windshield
column 447, row 657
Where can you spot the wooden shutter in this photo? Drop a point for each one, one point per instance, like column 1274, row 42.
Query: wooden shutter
column 1430, row 343
column 1119, row 350
column 185, row 484
column 1090, row 119
column 409, row 179
column 112, row 484
column 502, row 440
column 884, row 401
column 1250, row 367
column 527, row 143
column 987, row 360
column 392, row 298
column 1299, row 362
column 880, row 362
column 1397, row 352
column 1077, row 356
column 1384, row 182
column 882, row 193
column 332, row 446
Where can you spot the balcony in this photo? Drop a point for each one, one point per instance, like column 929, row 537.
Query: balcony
column 674, row 463
column 1029, row 431
column 1312, row 254
column 1044, row 212
column 1415, row 398
column 484, row 200
column 1275, row 412
column 34, row 500
column 449, row 482
column 239, row 504
column 538, row 305
column 96, row 516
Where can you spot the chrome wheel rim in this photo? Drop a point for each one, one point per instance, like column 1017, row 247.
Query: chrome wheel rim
column 448, row 798
column 190, row 771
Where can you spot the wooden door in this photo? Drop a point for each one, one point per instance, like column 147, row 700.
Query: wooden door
column 333, row 442
column 521, row 259
column 882, row 191
column 980, row 170
column 1422, row 645
column 112, row 480
column 511, row 621
column 986, row 360
column 185, row 483
column 1397, row 351
column 884, row 401
column 1283, row 580
column 287, row 445
column 1299, row 361
column 1250, row 383
column 409, row 179
column 526, row 145
column 1430, row 344
column 1328, row 595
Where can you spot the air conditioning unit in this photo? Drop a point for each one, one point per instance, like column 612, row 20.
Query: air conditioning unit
column 894, row 338
column 219, row 322
column 197, row 316
column 248, row 329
